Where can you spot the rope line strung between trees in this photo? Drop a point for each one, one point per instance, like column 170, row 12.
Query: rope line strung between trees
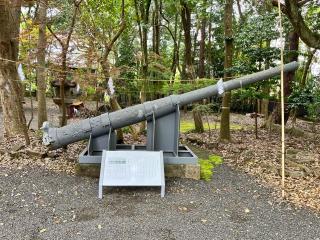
column 282, row 104
column 116, row 78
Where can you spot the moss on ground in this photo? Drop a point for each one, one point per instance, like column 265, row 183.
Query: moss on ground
column 187, row 126
column 207, row 166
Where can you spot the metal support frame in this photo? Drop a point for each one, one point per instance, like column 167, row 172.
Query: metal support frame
column 162, row 135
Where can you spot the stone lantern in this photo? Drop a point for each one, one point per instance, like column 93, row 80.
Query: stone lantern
column 69, row 96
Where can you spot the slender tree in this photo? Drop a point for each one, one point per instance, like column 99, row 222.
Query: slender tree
column 228, row 39
column 105, row 30
column 142, row 9
column 41, row 56
column 175, row 35
column 64, row 52
column 108, row 45
column 292, row 45
column 266, row 89
column 307, row 67
column 11, row 93
column 156, row 28
column 202, row 54
column 188, row 70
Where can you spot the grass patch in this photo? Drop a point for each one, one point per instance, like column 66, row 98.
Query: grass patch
column 207, row 166
column 187, row 126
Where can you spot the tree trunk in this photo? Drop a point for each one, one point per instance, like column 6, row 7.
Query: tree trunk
column 41, row 55
column 209, row 45
column 11, row 94
column 306, row 67
column 156, row 28
column 187, row 71
column 195, row 40
column 225, row 113
column 202, row 70
column 198, row 123
column 289, row 77
column 63, row 77
column 266, row 90
column 175, row 55
column 240, row 12
column 143, row 13
column 115, row 106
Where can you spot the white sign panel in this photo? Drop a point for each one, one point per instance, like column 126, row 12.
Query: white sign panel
column 132, row 168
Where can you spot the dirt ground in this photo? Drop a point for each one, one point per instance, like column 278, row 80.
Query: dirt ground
column 53, row 113
column 37, row 202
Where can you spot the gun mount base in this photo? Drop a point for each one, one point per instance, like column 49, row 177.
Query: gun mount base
column 162, row 135
column 184, row 156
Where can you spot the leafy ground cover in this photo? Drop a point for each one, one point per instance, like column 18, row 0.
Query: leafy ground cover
column 262, row 158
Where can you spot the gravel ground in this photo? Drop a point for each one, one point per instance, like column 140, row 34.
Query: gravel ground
column 37, row 204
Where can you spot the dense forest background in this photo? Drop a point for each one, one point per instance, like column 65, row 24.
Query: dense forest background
column 123, row 52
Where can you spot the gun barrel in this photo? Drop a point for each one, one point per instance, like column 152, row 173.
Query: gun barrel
column 209, row 91
column 97, row 126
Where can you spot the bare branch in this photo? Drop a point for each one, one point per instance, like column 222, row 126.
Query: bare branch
column 55, row 36
column 109, row 45
column 169, row 30
column 73, row 21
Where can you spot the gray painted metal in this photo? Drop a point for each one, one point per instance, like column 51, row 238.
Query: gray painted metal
column 101, row 125
column 132, row 168
column 163, row 132
column 184, row 156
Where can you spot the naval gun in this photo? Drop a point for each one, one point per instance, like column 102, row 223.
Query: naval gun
column 163, row 123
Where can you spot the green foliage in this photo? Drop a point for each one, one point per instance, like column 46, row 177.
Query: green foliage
column 126, row 130
column 90, row 91
column 60, row 15
column 98, row 21
column 207, row 166
column 252, row 40
column 314, row 110
column 313, row 15
column 178, row 87
column 203, row 108
column 207, row 108
column 307, row 97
